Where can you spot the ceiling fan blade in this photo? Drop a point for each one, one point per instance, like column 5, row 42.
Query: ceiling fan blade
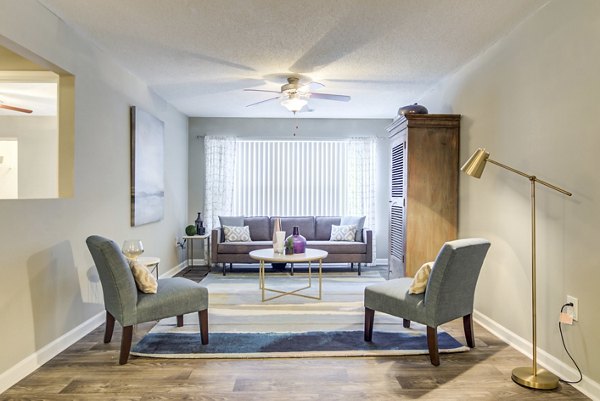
column 262, row 101
column 329, row 96
column 261, row 90
column 13, row 108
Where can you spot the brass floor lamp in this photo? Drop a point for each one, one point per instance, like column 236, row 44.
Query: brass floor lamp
column 529, row 376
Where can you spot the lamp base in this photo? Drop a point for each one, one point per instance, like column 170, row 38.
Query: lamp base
column 543, row 380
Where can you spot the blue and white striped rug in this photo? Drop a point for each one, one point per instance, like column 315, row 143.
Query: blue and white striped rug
column 241, row 326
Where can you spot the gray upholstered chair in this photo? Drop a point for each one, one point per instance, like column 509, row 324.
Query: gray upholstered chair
column 124, row 303
column 448, row 295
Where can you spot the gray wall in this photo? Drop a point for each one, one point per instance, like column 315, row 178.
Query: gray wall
column 48, row 284
column 269, row 128
column 533, row 101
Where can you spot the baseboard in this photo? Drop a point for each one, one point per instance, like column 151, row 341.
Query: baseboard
column 34, row 361
column 174, row 270
column 381, row 262
column 587, row 386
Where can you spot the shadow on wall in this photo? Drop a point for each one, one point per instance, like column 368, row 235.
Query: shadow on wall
column 56, row 296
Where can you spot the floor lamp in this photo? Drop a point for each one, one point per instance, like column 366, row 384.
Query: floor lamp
column 531, row 377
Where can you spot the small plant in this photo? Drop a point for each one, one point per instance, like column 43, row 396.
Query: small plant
column 289, row 246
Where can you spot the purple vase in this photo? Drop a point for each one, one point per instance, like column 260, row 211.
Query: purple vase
column 298, row 241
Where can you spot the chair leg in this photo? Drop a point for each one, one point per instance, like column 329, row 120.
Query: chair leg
column 468, row 325
column 179, row 320
column 110, row 326
column 369, row 317
column 432, row 343
column 126, row 338
column 406, row 323
column 203, row 318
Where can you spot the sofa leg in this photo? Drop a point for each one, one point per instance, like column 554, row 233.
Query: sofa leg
column 351, row 266
column 359, row 269
column 224, row 271
column 231, row 267
column 292, row 269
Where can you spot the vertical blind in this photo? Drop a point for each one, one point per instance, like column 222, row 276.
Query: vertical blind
column 290, row 178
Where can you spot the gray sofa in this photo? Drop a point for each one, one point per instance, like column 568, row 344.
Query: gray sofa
column 316, row 230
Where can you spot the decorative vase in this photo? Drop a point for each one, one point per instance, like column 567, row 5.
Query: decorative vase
column 200, row 230
column 298, row 242
column 412, row 109
column 278, row 237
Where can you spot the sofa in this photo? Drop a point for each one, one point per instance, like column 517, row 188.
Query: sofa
column 316, row 230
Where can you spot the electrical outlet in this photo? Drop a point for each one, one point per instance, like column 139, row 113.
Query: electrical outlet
column 177, row 242
column 573, row 310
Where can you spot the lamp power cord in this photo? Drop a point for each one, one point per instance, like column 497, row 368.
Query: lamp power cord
column 566, row 350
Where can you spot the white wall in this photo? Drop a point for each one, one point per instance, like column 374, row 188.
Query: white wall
column 48, row 284
column 533, row 100
column 267, row 128
column 38, row 154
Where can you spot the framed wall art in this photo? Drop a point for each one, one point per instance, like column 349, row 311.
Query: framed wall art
column 147, row 167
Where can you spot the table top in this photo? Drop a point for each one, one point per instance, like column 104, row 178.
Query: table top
column 148, row 260
column 203, row 236
column 268, row 255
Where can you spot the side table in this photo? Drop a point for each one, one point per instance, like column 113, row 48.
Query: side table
column 190, row 249
column 151, row 262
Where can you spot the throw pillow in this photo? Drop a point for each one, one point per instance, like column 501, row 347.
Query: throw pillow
column 144, row 279
column 420, row 281
column 237, row 234
column 343, row 233
column 358, row 221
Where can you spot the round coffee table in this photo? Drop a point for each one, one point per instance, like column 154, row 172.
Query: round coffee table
column 267, row 255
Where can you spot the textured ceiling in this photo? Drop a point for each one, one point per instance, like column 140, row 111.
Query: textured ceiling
column 200, row 54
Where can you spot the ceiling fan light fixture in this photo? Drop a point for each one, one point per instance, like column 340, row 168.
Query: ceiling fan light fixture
column 294, row 102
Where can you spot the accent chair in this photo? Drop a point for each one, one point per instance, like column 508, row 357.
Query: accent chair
column 126, row 304
column 448, row 295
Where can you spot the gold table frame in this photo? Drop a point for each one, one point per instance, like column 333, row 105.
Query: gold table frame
column 267, row 255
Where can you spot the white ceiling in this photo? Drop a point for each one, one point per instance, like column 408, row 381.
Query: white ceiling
column 199, row 55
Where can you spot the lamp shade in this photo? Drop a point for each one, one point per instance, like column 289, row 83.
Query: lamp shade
column 294, row 102
column 476, row 163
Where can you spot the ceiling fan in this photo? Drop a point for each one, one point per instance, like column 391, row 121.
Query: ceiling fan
column 294, row 95
column 14, row 108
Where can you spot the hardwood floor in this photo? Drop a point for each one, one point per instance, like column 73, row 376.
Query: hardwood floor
column 89, row 370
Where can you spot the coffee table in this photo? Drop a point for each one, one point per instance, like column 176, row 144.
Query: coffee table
column 267, row 255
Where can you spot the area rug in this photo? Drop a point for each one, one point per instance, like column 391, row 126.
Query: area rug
column 241, row 326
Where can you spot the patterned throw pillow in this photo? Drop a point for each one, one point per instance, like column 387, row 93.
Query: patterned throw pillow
column 237, row 234
column 420, row 281
column 343, row 233
column 144, row 279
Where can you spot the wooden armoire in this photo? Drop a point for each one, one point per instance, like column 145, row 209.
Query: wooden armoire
column 424, row 189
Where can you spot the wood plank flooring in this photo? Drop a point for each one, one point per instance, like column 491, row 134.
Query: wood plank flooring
column 89, row 370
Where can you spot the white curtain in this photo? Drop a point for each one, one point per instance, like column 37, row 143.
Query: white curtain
column 360, row 159
column 220, row 156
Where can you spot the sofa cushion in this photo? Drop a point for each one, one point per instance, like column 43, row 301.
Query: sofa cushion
column 260, row 229
column 358, row 221
column 233, row 221
column 335, row 247
column 306, row 226
column 323, row 226
column 243, row 247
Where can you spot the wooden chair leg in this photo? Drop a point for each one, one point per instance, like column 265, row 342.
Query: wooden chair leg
column 468, row 325
column 203, row 318
column 110, row 326
column 179, row 320
column 126, row 338
column 406, row 323
column 432, row 343
column 369, row 317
